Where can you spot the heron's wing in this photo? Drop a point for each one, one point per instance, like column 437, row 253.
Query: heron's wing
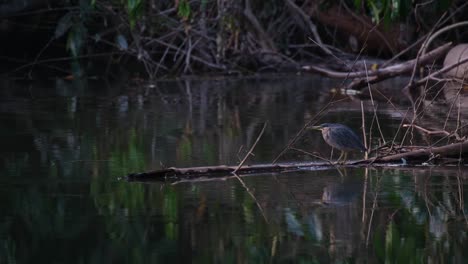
column 347, row 139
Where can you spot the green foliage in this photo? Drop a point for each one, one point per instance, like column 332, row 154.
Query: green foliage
column 183, row 10
column 78, row 24
column 134, row 10
column 389, row 11
column 74, row 23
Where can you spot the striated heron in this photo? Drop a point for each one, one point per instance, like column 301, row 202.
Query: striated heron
column 340, row 137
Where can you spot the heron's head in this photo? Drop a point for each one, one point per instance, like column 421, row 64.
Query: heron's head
column 322, row 126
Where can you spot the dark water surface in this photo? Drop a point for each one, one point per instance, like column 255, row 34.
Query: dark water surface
column 66, row 145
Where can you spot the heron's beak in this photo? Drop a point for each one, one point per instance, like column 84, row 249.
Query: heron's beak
column 316, row 127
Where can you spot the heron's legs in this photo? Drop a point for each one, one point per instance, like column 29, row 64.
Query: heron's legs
column 343, row 157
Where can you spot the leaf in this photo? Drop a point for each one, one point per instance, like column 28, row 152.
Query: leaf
column 121, row 42
column 395, row 10
column 76, row 39
column 375, row 12
column 134, row 10
column 63, row 25
column 183, row 10
column 71, row 44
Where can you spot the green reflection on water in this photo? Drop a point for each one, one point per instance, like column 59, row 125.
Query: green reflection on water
column 399, row 249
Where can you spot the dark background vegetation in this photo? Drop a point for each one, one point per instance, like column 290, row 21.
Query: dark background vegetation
column 172, row 37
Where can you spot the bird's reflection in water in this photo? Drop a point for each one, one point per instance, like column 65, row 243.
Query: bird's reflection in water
column 344, row 192
column 341, row 201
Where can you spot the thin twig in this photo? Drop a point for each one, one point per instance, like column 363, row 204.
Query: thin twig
column 313, row 155
column 299, row 133
column 443, row 70
column 398, row 130
column 364, row 194
column 374, row 205
column 251, row 149
column 373, row 107
column 252, row 195
column 363, row 128
column 435, row 132
column 451, row 107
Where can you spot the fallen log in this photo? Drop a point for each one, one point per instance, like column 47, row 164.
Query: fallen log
column 176, row 174
column 453, row 153
column 362, row 78
column 388, row 71
column 455, row 150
